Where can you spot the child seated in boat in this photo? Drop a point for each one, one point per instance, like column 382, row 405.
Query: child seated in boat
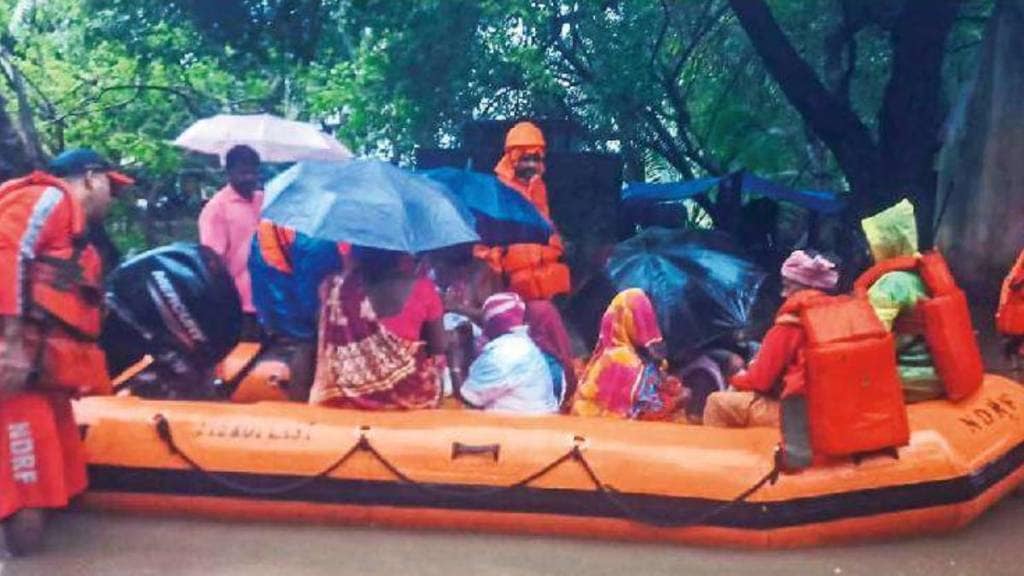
column 777, row 370
column 381, row 342
column 626, row 376
column 510, row 374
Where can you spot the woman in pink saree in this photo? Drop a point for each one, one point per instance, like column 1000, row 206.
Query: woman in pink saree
column 625, row 377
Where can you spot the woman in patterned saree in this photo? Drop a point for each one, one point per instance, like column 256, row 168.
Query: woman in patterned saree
column 626, row 377
column 381, row 341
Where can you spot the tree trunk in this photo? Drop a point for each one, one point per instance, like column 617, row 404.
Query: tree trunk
column 910, row 120
column 830, row 118
column 14, row 161
column 981, row 183
column 899, row 163
column 25, row 124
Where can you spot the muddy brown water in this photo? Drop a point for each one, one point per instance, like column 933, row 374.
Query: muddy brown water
column 82, row 543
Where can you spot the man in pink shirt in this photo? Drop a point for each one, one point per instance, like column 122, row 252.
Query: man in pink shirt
column 229, row 220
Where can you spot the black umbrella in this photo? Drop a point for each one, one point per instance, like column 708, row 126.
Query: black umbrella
column 699, row 282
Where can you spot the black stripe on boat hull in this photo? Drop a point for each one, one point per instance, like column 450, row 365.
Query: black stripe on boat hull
column 580, row 503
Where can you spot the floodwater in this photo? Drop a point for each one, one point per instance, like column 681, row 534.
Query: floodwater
column 83, row 543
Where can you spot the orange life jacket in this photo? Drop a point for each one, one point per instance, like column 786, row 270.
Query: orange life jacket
column 275, row 244
column 542, row 282
column 794, row 379
column 943, row 318
column 854, row 394
column 51, row 274
column 534, row 271
column 1010, row 314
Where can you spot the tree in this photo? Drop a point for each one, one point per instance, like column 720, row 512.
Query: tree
column 13, row 160
column 677, row 86
column 896, row 157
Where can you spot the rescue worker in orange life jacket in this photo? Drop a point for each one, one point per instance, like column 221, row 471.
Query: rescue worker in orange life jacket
column 50, row 315
column 286, row 268
column 778, row 370
column 534, row 271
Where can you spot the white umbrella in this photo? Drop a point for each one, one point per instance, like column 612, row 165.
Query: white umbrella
column 274, row 139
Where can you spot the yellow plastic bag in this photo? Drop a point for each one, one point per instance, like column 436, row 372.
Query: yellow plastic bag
column 892, row 232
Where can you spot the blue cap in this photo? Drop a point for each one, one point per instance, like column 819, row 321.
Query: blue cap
column 78, row 161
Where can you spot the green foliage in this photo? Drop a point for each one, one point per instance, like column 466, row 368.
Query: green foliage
column 675, row 84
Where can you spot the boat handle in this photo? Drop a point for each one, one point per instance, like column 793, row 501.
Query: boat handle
column 459, row 449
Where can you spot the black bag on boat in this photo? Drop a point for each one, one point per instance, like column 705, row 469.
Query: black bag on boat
column 177, row 304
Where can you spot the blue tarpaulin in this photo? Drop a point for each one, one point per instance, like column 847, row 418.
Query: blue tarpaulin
column 667, row 191
column 821, row 201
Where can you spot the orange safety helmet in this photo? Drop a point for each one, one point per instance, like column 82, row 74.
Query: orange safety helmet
column 524, row 135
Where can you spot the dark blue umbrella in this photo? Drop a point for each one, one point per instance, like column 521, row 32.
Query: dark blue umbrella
column 503, row 216
column 699, row 282
column 368, row 203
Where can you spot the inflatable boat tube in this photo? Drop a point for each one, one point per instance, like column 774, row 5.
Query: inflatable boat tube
column 562, row 475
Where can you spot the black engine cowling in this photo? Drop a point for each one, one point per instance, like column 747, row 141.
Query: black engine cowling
column 177, row 304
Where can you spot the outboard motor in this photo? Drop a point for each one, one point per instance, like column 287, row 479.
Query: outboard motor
column 179, row 305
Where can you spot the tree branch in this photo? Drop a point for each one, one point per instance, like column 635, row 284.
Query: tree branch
column 660, row 38
column 831, row 119
column 25, row 126
column 666, row 145
column 912, row 112
column 707, row 26
column 78, row 110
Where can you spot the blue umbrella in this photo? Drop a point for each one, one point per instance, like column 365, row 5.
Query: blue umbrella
column 368, row 203
column 503, row 216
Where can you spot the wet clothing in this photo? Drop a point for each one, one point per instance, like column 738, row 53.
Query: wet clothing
column 51, row 282
column 620, row 381
column 778, row 369
column 286, row 270
column 361, row 363
column 511, row 375
column 227, row 224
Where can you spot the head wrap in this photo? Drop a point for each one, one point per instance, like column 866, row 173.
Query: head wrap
column 811, row 271
column 503, row 312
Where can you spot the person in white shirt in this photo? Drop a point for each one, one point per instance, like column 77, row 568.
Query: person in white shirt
column 511, row 374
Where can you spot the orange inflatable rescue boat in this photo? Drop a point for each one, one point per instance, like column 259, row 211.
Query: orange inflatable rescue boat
column 563, row 475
